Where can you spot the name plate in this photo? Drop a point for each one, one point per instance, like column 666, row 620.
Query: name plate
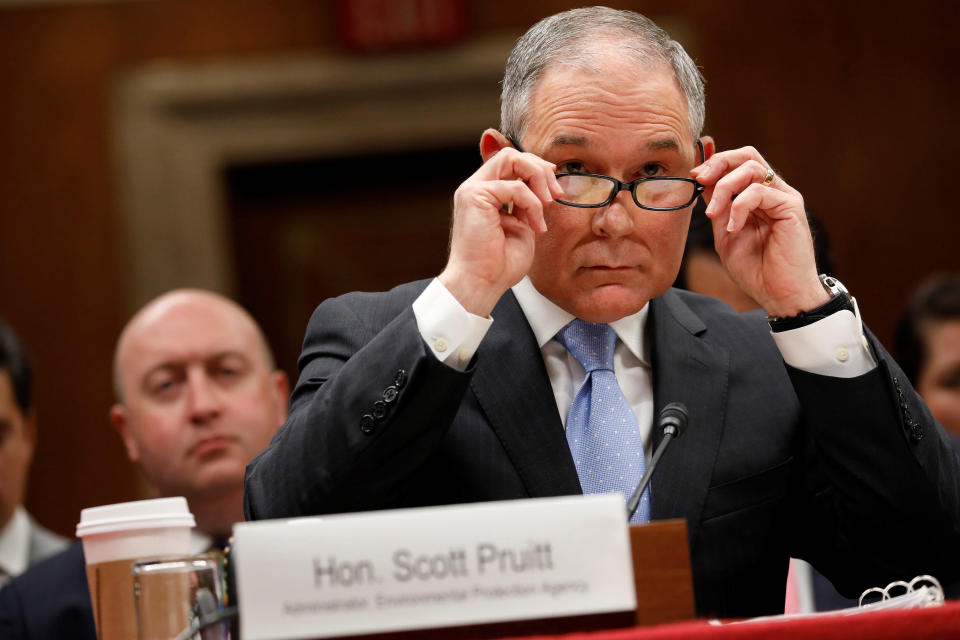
column 431, row 567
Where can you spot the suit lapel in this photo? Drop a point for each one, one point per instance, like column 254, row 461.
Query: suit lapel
column 689, row 370
column 513, row 389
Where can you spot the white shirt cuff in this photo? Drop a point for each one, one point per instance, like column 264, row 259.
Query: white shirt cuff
column 452, row 333
column 834, row 346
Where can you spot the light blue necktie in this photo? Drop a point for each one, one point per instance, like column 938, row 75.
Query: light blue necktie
column 602, row 430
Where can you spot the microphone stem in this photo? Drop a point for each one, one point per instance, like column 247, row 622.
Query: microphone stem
column 634, row 500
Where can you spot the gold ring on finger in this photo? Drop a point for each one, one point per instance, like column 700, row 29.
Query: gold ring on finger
column 768, row 179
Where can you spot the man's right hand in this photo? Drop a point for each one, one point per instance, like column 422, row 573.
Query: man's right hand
column 496, row 213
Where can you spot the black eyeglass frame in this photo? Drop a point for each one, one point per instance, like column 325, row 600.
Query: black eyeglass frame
column 619, row 185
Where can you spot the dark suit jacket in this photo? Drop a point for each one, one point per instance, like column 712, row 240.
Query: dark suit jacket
column 826, row 597
column 775, row 461
column 50, row 600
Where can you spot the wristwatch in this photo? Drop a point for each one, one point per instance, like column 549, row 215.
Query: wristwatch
column 840, row 299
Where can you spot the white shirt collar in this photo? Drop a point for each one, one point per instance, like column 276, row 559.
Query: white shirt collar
column 15, row 543
column 547, row 319
column 199, row 541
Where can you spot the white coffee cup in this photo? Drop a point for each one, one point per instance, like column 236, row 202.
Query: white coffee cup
column 115, row 535
column 135, row 529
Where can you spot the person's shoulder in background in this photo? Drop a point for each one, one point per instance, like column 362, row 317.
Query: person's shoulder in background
column 50, row 600
column 43, row 542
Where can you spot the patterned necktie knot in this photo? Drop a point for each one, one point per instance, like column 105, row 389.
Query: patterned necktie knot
column 591, row 344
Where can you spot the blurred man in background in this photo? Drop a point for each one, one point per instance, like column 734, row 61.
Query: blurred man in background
column 22, row 541
column 198, row 396
column 928, row 346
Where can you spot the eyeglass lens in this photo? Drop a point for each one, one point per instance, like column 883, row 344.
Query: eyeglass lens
column 594, row 190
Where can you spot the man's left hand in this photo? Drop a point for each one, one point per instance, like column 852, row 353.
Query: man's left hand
column 761, row 232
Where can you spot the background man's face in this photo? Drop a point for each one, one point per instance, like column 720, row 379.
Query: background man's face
column 200, row 400
column 627, row 122
column 939, row 380
column 706, row 275
column 17, row 436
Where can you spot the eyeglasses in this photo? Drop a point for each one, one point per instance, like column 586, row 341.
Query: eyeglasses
column 659, row 193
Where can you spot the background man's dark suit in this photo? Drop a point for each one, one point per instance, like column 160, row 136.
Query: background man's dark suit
column 841, row 482
column 51, row 600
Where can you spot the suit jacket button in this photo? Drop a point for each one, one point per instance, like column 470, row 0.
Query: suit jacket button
column 379, row 409
column 400, row 379
column 366, row 423
column 390, row 394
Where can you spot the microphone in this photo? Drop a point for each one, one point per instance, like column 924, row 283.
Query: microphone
column 673, row 420
column 209, row 620
column 207, row 607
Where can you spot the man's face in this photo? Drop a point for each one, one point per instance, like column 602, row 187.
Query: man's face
column 199, row 397
column 627, row 122
column 17, row 438
column 939, row 380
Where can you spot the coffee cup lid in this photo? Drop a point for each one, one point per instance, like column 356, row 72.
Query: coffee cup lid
column 158, row 513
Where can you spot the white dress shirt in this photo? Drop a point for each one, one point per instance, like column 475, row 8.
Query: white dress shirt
column 199, row 541
column 15, row 545
column 631, row 356
column 834, row 346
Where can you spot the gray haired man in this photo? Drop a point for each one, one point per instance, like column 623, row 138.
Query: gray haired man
column 534, row 364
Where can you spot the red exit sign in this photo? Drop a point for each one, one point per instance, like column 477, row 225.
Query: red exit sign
column 378, row 25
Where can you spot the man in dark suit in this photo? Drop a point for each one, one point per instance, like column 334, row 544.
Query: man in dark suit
column 197, row 396
column 554, row 312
